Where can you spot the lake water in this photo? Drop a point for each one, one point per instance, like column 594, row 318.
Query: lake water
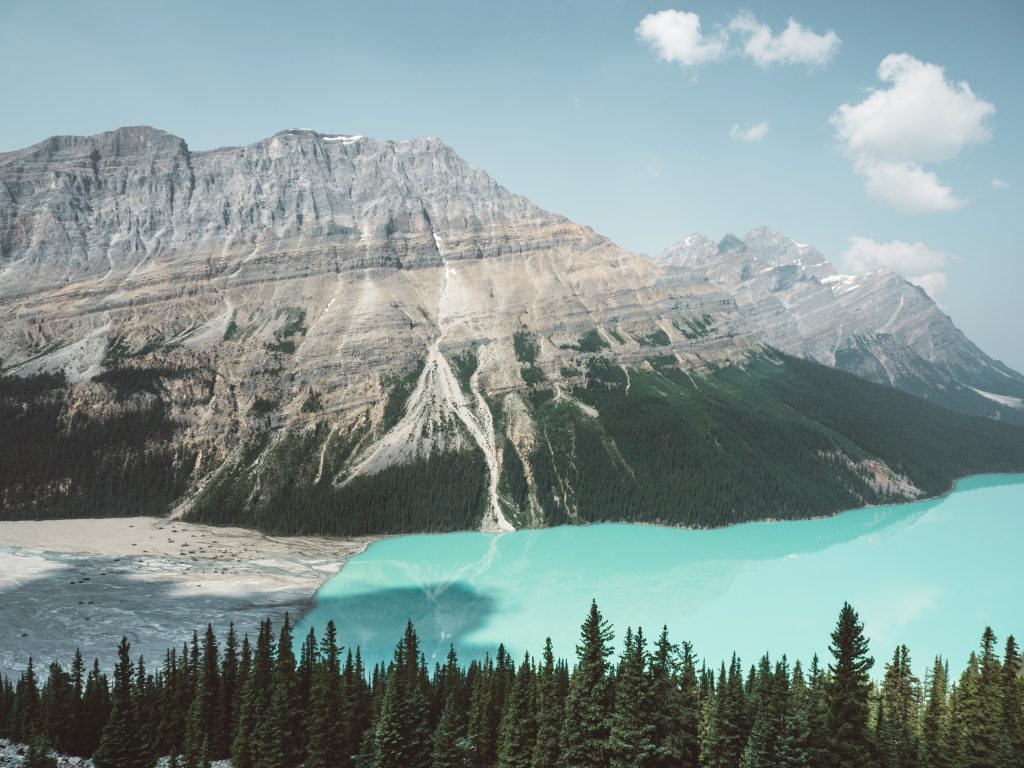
column 930, row 574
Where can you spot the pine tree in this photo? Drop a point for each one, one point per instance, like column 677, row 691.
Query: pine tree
column 448, row 750
column 983, row 739
column 221, row 746
column 255, row 703
column 816, row 738
column 329, row 725
column 770, row 702
column 848, row 693
column 681, row 740
column 550, row 712
column 483, row 716
column 121, row 745
column 401, row 737
column 56, row 709
column 793, row 752
column 147, row 718
column 449, row 682
column 724, row 726
column 197, row 744
column 1013, row 701
column 518, row 730
column 934, row 752
column 897, row 724
column 25, row 715
column 204, row 737
column 634, row 725
column 76, row 738
column 584, row 737
column 95, row 708
column 283, row 739
column 360, row 699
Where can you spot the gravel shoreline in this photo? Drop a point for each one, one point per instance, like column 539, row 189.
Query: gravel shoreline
column 67, row 584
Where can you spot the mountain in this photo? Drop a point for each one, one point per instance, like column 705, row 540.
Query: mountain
column 878, row 325
column 333, row 334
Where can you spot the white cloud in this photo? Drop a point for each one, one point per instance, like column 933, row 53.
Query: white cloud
column 750, row 133
column 917, row 262
column 677, row 36
column 796, row 44
column 906, row 187
column 921, row 117
column 999, row 184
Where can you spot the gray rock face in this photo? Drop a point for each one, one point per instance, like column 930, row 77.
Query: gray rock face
column 876, row 325
column 309, row 264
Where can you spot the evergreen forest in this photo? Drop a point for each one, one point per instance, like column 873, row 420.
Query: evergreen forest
column 275, row 701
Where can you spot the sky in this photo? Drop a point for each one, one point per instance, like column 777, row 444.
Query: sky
column 880, row 132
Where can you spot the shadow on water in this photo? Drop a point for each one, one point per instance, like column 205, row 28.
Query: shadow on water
column 443, row 614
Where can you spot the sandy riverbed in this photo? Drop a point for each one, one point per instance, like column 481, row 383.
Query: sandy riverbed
column 83, row 583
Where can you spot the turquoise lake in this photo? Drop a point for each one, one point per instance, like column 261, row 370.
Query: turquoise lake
column 930, row 574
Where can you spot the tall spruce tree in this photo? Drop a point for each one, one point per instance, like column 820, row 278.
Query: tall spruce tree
column 633, row 736
column 550, row 712
column 769, row 704
column 725, row 719
column 401, row 737
column 221, row 748
column 448, row 749
column 1013, row 701
column 484, row 712
column 95, row 708
column 121, row 745
column 254, row 707
column 583, row 741
column 204, row 737
column 984, row 741
column 848, row 693
column 518, row 730
column 76, row 738
column 329, row 725
column 675, row 704
column 284, row 738
column 934, row 752
column 25, row 713
column 897, row 731
column 681, row 737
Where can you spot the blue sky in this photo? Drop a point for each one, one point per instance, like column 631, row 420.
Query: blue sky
column 567, row 103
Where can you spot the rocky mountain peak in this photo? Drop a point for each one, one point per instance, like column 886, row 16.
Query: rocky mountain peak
column 877, row 325
column 731, row 243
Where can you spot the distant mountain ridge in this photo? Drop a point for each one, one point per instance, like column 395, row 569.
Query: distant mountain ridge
column 326, row 333
column 877, row 325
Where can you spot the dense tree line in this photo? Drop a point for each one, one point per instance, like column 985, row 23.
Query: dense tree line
column 655, row 706
column 60, row 460
column 444, row 491
column 778, row 437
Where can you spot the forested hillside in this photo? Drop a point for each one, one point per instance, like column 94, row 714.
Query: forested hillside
column 656, row 705
column 63, row 457
column 777, row 437
column 774, row 437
